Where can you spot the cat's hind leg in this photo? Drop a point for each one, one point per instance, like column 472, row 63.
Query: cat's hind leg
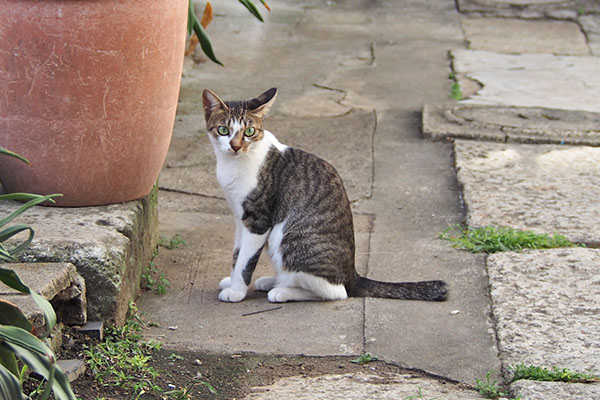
column 265, row 283
column 300, row 286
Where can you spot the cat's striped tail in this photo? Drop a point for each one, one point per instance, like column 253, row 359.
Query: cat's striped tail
column 424, row 290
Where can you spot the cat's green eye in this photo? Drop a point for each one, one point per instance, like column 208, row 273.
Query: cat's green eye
column 249, row 131
column 223, row 130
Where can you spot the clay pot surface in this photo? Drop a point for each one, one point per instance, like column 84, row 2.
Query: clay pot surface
column 88, row 93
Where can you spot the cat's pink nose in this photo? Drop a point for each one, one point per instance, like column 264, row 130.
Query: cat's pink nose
column 235, row 147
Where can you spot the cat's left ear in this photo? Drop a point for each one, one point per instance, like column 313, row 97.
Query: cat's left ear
column 260, row 106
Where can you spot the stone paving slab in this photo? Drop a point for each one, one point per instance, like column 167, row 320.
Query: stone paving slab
column 544, row 188
column 202, row 322
column 531, row 390
column 510, row 35
column 528, row 9
column 374, row 386
column 546, row 305
column 109, row 246
column 531, row 80
column 591, row 26
column 510, row 124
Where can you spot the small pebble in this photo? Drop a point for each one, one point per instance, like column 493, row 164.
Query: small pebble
column 236, row 355
column 173, row 328
column 197, row 362
column 454, row 312
column 171, row 386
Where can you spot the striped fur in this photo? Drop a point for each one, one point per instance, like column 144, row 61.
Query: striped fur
column 293, row 204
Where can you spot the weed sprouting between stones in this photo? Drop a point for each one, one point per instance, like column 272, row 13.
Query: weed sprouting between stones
column 555, row 374
column 493, row 239
column 364, row 359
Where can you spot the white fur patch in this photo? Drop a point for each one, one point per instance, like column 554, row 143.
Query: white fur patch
column 317, row 285
column 238, row 173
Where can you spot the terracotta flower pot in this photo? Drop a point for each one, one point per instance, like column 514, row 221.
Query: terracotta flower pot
column 88, row 93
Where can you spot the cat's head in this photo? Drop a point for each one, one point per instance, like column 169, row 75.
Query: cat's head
column 234, row 126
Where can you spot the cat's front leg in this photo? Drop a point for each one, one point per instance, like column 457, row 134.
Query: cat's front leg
column 250, row 248
column 226, row 282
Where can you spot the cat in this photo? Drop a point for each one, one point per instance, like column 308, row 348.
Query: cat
column 293, row 204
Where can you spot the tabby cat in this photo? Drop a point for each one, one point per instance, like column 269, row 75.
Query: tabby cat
column 293, row 204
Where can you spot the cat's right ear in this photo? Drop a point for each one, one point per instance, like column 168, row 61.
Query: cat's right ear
column 211, row 102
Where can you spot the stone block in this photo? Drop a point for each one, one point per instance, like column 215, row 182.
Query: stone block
column 73, row 368
column 510, row 124
column 511, row 35
column 546, row 305
column 591, row 26
column 532, row 390
column 543, row 188
column 531, row 80
column 109, row 246
column 527, row 9
column 57, row 282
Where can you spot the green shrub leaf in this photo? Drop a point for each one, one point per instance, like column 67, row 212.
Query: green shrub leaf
column 10, row 387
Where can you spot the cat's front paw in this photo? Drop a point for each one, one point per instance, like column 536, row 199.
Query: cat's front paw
column 231, row 295
column 225, row 283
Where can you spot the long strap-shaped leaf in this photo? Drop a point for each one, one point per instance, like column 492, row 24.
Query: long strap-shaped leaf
column 11, row 279
column 38, row 357
column 11, row 154
column 14, row 230
column 33, row 202
column 10, row 387
column 195, row 26
column 252, row 8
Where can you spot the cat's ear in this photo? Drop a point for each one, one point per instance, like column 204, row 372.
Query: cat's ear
column 260, row 106
column 211, row 102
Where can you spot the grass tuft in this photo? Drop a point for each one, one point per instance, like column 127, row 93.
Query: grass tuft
column 536, row 373
column 493, row 239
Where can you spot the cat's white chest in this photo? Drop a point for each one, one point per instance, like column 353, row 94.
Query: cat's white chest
column 238, row 175
column 237, row 179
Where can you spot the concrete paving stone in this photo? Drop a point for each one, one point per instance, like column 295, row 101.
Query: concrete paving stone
column 109, row 246
column 528, row 9
column 531, row 80
column 510, row 124
column 543, row 188
column 510, row 35
column 532, row 390
column 190, row 165
column 546, row 305
column 591, row 26
column 254, row 325
column 374, row 385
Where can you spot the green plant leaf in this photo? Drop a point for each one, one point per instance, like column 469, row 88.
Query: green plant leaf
column 14, row 230
column 9, row 361
column 31, row 203
column 11, row 279
column 10, row 314
column 10, row 387
column 11, row 154
column 252, row 8
column 38, row 357
column 195, row 26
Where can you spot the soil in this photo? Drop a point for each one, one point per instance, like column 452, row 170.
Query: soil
column 231, row 376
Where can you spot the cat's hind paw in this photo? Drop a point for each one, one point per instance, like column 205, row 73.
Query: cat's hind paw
column 265, row 283
column 231, row 295
column 225, row 283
